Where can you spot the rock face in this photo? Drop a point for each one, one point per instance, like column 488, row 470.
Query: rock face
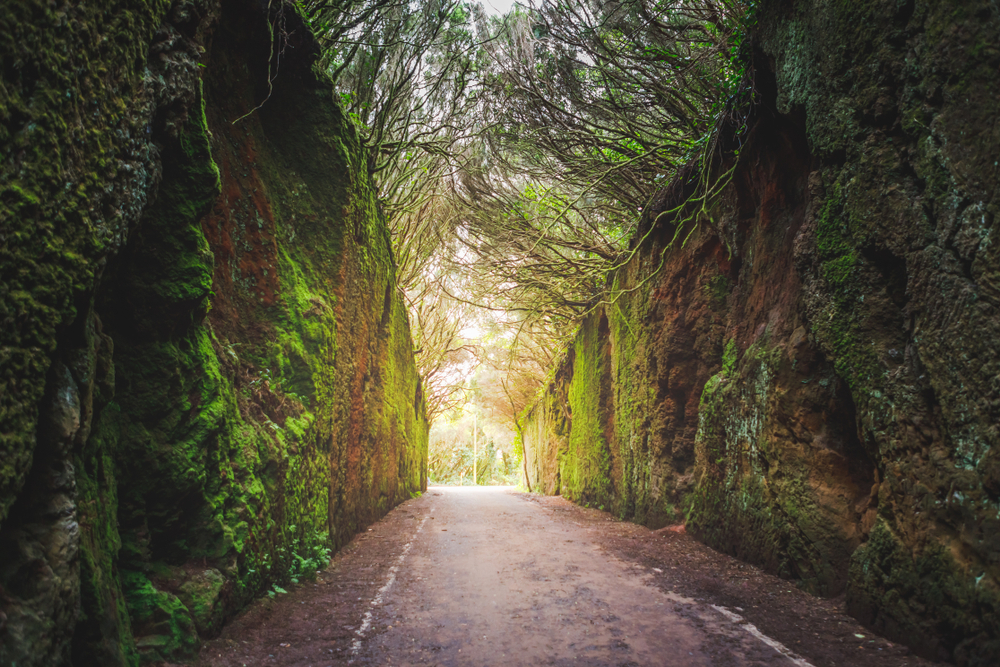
column 807, row 370
column 206, row 377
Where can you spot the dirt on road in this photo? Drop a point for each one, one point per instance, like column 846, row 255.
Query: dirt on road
column 490, row 576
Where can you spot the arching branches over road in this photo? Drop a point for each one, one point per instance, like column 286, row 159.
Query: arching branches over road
column 513, row 154
column 587, row 109
column 608, row 98
column 405, row 72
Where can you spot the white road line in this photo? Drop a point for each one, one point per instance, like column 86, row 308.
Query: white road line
column 752, row 629
column 366, row 621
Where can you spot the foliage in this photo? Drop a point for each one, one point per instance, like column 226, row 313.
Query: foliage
column 589, row 108
column 451, row 454
column 513, row 156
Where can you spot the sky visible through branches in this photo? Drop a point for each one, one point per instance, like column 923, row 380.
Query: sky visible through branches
column 514, row 146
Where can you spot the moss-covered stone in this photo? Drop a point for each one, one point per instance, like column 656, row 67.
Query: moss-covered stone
column 895, row 274
column 892, row 583
column 202, row 594
column 165, row 630
column 782, row 480
column 244, row 395
column 849, row 369
column 68, row 190
column 585, row 467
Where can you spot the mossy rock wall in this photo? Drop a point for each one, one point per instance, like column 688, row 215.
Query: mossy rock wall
column 207, row 376
column 806, row 373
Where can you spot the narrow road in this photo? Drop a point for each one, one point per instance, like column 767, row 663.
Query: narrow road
column 489, row 576
column 493, row 579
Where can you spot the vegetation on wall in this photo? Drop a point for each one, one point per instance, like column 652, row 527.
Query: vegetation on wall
column 514, row 153
column 231, row 392
column 794, row 380
column 725, row 262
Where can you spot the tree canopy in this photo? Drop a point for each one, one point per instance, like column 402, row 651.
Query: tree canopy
column 513, row 155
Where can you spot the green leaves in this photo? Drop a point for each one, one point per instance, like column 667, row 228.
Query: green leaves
column 513, row 155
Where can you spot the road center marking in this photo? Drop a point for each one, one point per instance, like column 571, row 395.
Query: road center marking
column 773, row 643
column 366, row 621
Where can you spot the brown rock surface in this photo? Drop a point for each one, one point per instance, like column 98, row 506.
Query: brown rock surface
column 485, row 576
column 805, row 371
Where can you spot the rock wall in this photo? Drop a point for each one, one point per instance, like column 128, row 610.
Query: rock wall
column 807, row 372
column 207, row 381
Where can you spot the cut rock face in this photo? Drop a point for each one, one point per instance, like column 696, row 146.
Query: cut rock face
column 810, row 380
column 201, row 594
column 204, row 358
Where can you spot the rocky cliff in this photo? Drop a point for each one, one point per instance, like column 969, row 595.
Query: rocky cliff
column 207, row 381
column 806, row 368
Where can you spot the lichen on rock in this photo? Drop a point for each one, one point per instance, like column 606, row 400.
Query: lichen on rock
column 206, row 388
column 832, row 414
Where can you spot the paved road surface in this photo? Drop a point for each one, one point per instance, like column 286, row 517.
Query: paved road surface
column 490, row 578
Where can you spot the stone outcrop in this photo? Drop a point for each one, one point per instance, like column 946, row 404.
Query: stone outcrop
column 206, row 377
column 806, row 369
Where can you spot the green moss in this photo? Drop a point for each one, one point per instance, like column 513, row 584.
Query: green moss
column 200, row 595
column 172, row 264
column 54, row 182
column 586, row 465
column 200, row 181
column 841, row 330
column 831, row 230
column 165, row 628
column 891, row 588
column 104, row 633
column 729, row 357
column 719, row 288
column 837, row 272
